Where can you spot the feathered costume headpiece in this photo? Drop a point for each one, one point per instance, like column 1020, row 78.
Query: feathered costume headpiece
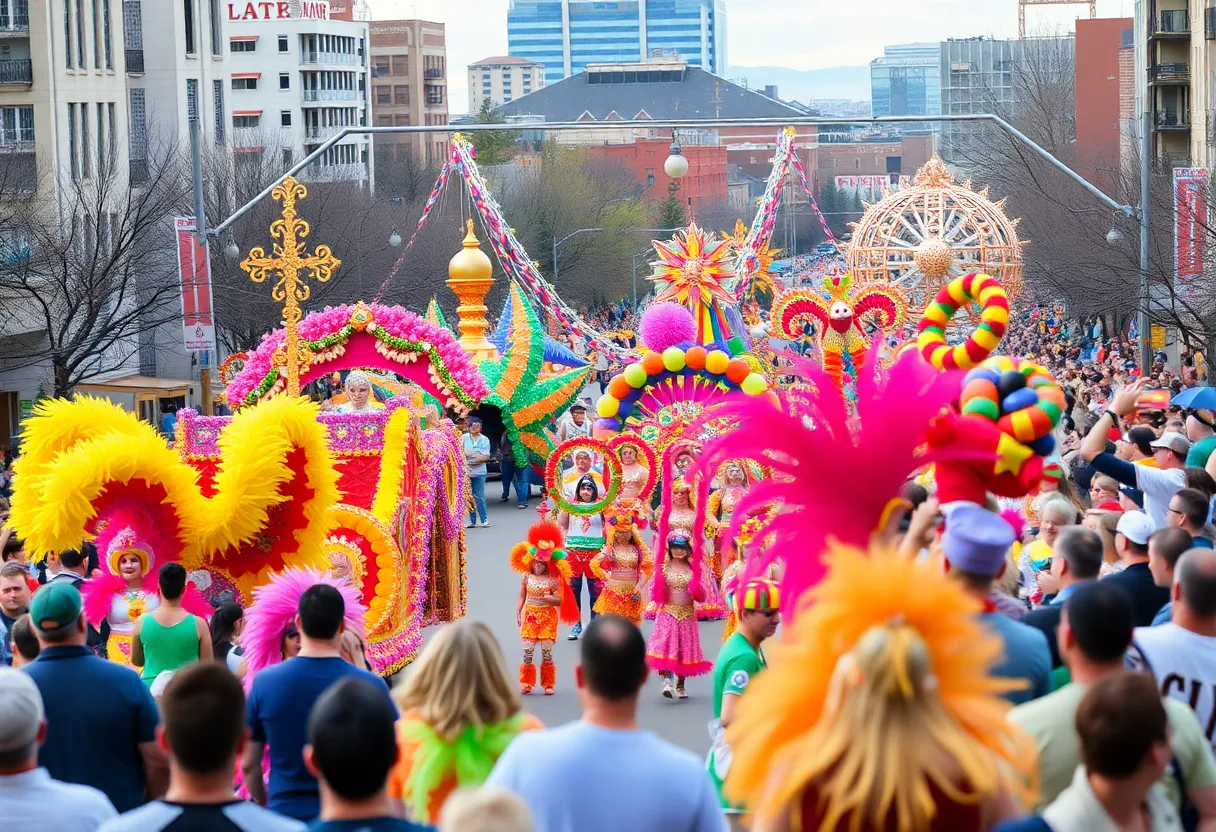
column 872, row 688
column 833, row 476
column 546, row 543
column 275, row 606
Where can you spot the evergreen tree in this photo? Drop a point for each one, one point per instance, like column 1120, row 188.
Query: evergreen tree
column 671, row 213
column 495, row 147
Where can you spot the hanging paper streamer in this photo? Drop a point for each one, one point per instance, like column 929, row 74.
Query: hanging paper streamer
column 514, row 259
column 747, row 260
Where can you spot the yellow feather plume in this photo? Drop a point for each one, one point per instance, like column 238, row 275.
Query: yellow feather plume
column 842, row 708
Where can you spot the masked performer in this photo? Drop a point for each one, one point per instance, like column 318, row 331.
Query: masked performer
column 621, row 566
column 545, row 587
column 359, row 398
column 674, row 648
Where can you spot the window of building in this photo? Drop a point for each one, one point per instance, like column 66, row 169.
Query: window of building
column 246, row 121
column 401, row 94
column 67, row 33
column 649, row 178
column 401, row 65
column 75, row 166
column 283, row 45
column 16, row 125
column 86, row 165
column 381, row 66
column 384, row 120
column 188, row 23
column 384, row 94
column 191, row 98
column 137, row 118
column 101, row 140
column 284, row 80
column 434, row 95
column 111, row 110
column 105, row 33
column 81, row 57
column 243, row 46
column 288, row 157
column 217, row 103
column 285, row 118
column 894, row 164
column 244, row 83
column 217, row 34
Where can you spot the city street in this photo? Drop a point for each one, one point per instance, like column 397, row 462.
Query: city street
column 493, row 588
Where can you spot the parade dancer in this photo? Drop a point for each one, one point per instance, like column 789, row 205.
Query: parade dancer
column 621, row 566
column 679, row 514
column 127, row 588
column 544, row 589
column 735, row 572
column 584, row 540
column 633, row 479
column 719, row 511
column 674, row 648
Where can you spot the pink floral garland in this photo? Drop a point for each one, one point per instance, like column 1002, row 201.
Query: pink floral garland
column 391, row 321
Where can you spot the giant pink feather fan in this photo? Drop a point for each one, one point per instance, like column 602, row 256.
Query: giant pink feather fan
column 833, row 474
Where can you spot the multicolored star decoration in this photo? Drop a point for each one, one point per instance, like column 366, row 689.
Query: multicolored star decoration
column 760, row 268
column 434, row 315
column 527, row 402
column 691, row 269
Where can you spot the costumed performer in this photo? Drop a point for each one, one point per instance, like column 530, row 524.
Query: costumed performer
column 359, row 398
column 129, row 546
column 584, row 540
column 545, row 587
column 719, row 512
column 459, row 712
column 633, row 479
column 674, row 647
column 679, row 514
column 621, row 566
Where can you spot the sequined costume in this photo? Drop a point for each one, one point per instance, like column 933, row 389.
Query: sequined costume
column 713, row 607
column 674, row 646
column 719, row 512
column 622, row 596
column 537, row 614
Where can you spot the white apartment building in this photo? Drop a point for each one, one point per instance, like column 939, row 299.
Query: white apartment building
column 62, row 94
column 502, row 79
column 293, row 84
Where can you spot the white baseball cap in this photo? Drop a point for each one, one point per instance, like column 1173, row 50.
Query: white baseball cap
column 21, row 712
column 1176, row 442
column 1135, row 526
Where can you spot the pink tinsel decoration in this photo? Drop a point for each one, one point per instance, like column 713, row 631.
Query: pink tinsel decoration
column 666, row 325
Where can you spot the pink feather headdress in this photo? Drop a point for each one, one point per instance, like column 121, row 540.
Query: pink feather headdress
column 275, row 605
column 833, row 475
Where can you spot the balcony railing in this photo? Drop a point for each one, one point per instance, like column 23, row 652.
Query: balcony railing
column 432, row 74
column 1174, row 160
column 18, row 140
column 1174, row 22
column 1170, row 72
column 17, row 72
column 331, row 95
column 328, row 58
column 315, row 131
column 1171, row 119
column 135, row 61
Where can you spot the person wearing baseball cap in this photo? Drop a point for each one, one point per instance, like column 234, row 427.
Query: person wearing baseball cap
column 101, row 719
column 976, row 546
column 29, row 798
column 1158, row 482
column 1136, row 579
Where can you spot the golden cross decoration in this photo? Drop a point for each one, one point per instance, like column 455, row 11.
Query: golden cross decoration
column 290, row 262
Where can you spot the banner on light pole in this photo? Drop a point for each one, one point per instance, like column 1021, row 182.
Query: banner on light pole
column 194, row 275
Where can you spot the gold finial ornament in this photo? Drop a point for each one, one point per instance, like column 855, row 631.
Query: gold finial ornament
column 470, row 276
column 290, row 262
column 932, row 230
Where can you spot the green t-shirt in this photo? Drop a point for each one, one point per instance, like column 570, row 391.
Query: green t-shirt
column 1197, row 456
column 737, row 664
column 1051, row 723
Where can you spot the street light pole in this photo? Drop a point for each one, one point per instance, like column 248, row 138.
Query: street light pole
column 1143, row 324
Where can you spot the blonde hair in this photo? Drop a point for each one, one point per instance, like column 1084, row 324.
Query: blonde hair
column 459, row 680
column 485, row 810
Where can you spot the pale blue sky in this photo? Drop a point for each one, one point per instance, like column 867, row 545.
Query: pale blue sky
column 800, row 34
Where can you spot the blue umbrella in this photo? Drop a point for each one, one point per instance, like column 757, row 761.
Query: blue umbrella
column 1199, row 398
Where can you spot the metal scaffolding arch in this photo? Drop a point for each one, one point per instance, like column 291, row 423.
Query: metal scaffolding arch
column 1022, row 4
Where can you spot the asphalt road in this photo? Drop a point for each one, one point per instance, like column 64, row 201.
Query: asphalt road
column 493, row 589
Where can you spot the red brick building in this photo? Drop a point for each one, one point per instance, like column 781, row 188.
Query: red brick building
column 705, row 183
column 847, row 163
column 1098, row 98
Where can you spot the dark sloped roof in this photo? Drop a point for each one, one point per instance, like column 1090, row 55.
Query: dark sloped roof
column 700, row 95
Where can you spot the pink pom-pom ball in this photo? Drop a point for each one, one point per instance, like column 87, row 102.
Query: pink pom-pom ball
column 667, row 325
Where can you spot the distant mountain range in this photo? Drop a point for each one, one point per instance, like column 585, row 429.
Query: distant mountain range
column 852, row 82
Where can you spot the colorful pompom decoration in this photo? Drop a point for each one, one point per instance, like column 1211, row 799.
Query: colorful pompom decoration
column 667, row 325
